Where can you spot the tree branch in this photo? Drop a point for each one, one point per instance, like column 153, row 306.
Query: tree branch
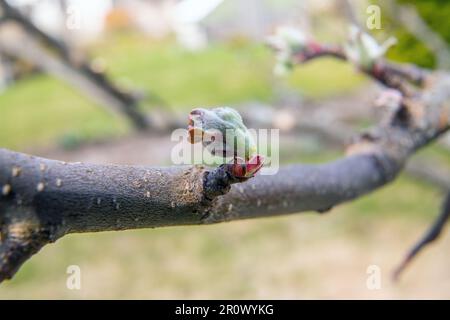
column 336, row 133
column 41, row 200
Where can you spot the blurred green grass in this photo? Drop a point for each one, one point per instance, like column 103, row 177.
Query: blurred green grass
column 41, row 111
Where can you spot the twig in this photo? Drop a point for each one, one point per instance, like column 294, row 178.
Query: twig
column 390, row 74
column 431, row 235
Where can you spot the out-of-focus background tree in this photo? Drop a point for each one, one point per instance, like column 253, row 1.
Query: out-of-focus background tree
column 71, row 100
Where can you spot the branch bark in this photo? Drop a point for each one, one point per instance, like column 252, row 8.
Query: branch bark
column 41, row 200
column 336, row 133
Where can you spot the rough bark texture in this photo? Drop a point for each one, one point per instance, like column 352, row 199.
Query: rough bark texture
column 41, row 200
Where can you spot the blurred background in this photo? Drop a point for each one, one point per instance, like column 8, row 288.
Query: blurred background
column 106, row 81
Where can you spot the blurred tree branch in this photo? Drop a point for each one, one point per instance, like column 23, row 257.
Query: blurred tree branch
column 56, row 58
column 41, row 200
column 334, row 132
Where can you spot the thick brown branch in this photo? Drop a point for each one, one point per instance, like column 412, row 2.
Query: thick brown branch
column 42, row 199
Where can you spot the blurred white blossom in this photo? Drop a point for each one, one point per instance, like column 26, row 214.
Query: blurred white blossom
column 363, row 50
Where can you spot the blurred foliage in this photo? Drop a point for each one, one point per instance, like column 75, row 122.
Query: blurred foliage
column 40, row 110
column 319, row 257
column 435, row 13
